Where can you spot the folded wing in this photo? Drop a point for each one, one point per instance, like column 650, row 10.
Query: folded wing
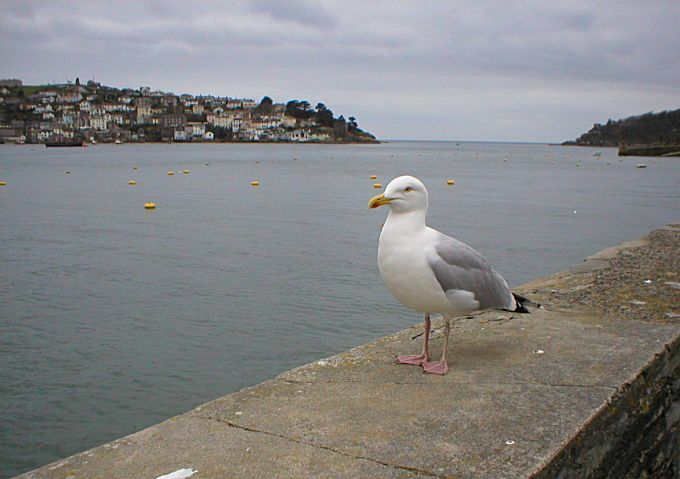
column 459, row 268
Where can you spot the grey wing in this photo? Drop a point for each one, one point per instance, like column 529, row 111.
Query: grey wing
column 459, row 267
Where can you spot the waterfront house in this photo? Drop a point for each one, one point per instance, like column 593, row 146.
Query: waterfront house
column 298, row 135
column 196, row 129
column 319, row 136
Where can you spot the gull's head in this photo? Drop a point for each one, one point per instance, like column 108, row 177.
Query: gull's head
column 402, row 195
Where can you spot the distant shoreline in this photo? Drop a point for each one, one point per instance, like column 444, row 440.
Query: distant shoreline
column 376, row 142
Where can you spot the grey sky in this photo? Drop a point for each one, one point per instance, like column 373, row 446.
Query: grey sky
column 468, row 70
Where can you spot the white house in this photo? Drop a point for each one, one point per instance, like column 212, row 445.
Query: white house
column 223, row 121
column 43, row 109
column 245, row 103
column 297, row 136
column 196, row 129
column 267, row 122
column 99, row 123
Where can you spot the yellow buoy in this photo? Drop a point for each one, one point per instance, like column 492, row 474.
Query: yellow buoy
column 254, row 183
column 377, row 185
column 132, row 182
column 374, row 177
column 150, row 206
column 186, row 172
column 450, row 182
column 3, row 183
column 170, row 173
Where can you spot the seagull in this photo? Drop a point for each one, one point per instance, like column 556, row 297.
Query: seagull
column 431, row 272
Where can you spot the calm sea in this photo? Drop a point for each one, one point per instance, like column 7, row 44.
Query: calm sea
column 113, row 317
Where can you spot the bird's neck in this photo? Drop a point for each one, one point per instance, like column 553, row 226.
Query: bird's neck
column 406, row 221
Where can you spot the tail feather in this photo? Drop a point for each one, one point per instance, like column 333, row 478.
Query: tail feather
column 522, row 302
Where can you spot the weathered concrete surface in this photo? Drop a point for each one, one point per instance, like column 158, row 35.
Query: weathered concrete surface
column 569, row 391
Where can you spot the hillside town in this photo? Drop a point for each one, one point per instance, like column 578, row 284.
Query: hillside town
column 73, row 113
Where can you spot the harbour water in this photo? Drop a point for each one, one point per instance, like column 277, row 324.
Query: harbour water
column 113, row 317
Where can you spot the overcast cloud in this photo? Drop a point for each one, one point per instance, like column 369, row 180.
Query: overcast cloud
column 469, row 70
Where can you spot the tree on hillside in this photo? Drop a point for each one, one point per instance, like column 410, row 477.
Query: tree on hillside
column 324, row 116
column 265, row 107
column 299, row 109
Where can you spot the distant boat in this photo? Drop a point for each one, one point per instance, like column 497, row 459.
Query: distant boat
column 597, row 153
column 55, row 143
column 117, row 142
column 641, row 165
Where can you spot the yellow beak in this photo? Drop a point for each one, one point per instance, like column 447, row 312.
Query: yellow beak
column 378, row 201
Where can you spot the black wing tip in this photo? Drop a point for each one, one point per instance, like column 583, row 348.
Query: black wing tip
column 521, row 302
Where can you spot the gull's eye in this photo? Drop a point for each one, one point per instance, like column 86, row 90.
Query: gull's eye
column 408, row 189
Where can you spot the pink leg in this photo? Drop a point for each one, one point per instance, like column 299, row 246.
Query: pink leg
column 418, row 359
column 441, row 366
